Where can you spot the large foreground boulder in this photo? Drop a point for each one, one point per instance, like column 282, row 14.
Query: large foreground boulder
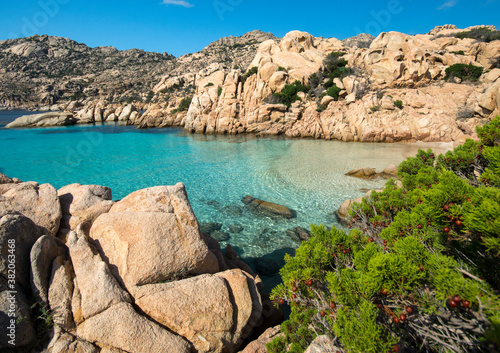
column 122, row 327
column 37, row 202
column 227, row 308
column 45, row 119
column 156, row 224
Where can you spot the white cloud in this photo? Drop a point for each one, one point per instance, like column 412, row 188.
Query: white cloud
column 448, row 5
column 178, row 2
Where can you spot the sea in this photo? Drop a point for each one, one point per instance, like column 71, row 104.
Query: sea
column 306, row 175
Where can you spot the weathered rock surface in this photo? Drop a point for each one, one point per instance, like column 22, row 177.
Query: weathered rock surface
column 21, row 231
column 363, row 173
column 13, row 301
column 44, row 119
column 267, row 208
column 228, row 307
column 4, row 179
column 322, row 344
column 60, row 292
column 98, row 290
column 46, row 249
column 83, row 203
column 37, row 202
column 121, row 327
column 259, row 345
column 158, row 224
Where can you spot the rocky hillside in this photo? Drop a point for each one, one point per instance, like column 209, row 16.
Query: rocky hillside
column 429, row 87
column 46, row 72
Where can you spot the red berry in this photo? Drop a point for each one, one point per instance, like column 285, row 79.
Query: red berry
column 396, row 320
column 421, row 268
column 384, row 291
column 458, row 223
column 400, row 234
column 370, row 240
column 446, row 208
column 294, row 296
column 466, row 304
column 309, row 283
column 409, row 310
column 452, row 303
column 446, row 230
column 344, row 251
column 395, row 348
column 419, row 226
column 282, row 301
column 332, row 305
column 379, row 306
column 457, row 299
column 322, row 313
column 402, row 317
column 468, row 199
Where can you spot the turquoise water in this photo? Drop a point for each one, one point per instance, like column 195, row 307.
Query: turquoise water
column 218, row 171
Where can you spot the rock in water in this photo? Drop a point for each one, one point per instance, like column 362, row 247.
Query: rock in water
column 45, row 119
column 363, row 173
column 267, row 208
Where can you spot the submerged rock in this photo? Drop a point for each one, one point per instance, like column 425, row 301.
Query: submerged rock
column 363, row 173
column 45, row 119
column 219, row 235
column 267, row 208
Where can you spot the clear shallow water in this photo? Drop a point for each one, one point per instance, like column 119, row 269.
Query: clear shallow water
column 218, row 171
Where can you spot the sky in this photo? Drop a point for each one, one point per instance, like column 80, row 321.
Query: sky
column 186, row 26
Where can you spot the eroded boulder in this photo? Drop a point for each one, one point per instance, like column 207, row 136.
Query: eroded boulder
column 157, row 224
column 37, row 202
column 267, row 208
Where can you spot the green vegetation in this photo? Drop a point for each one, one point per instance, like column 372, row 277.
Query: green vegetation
column 184, row 105
column 250, row 72
column 334, row 92
column 398, row 104
column 289, row 94
column 281, row 68
column 464, row 72
column 375, row 108
column 149, row 97
column 219, row 90
column 460, row 52
column 210, row 84
column 419, row 268
column 482, row 34
column 334, row 66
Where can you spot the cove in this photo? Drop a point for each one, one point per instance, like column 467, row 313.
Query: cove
column 218, row 170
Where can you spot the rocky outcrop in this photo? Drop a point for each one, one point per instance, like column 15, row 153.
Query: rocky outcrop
column 259, row 345
column 267, row 208
column 139, row 278
column 157, row 223
column 37, row 202
column 83, row 203
column 370, row 173
column 44, row 119
column 396, row 91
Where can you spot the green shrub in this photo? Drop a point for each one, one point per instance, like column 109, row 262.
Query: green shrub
column 464, row 72
column 334, row 92
column 418, row 270
column 183, row 105
column 289, row 93
column 482, row 34
column 398, row 104
column 219, row 90
column 250, row 72
column 210, row 84
column 281, row 68
column 460, row 52
column 375, row 108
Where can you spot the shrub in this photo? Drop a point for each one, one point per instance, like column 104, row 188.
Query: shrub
column 398, row 104
column 289, row 93
column 281, row 68
column 464, row 72
column 183, row 105
column 409, row 273
column 334, row 92
column 219, row 90
column 375, row 108
column 210, row 84
column 250, row 72
column 482, row 34
column 460, row 52
column 465, row 112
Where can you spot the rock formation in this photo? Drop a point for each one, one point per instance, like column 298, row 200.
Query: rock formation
column 396, row 90
column 112, row 281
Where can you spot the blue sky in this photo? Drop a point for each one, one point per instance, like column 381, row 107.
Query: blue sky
column 185, row 26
